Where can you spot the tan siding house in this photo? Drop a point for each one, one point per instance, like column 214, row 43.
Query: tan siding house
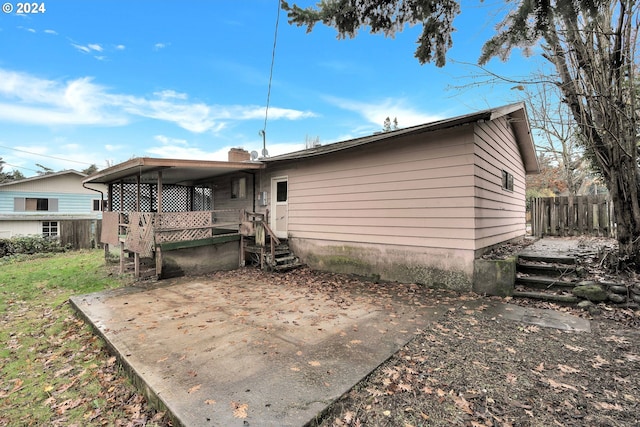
column 418, row 204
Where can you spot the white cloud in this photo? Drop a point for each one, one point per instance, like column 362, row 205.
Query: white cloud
column 52, row 32
column 120, row 47
column 377, row 111
column 83, row 102
column 165, row 140
column 168, row 151
column 91, row 47
column 111, row 147
column 159, row 46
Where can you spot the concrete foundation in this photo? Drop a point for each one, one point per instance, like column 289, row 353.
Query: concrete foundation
column 200, row 259
column 434, row 267
column 494, row 277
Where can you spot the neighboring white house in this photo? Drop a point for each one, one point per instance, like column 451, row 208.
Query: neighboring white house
column 38, row 205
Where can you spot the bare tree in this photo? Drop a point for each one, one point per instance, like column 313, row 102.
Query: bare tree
column 556, row 131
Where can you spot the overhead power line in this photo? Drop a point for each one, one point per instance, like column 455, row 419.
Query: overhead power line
column 273, row 60
column 45, row 155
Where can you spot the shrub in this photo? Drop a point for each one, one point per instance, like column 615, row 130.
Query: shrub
column 30, row 245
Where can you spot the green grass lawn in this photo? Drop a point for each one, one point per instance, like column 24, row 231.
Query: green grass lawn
column 53, row 369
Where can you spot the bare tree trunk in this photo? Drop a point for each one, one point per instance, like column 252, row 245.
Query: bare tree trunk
column 598, row 79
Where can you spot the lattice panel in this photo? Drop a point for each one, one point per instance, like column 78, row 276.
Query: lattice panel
column 191, row 225
column 184, row 219
column 175, row 198
column 110, row 227
column 183, row 235
column 140, row 235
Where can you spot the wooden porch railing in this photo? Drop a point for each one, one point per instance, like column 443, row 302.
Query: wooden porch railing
column 142, row 232
column 256, row 225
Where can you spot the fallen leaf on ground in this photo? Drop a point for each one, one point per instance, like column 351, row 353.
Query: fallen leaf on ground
column 194, row 388
column 239, row 409
column 463, row 404
column 599, row 361
column 568, row 369
column 558, row 385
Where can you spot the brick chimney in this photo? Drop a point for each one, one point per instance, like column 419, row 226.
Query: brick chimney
column 239, row 155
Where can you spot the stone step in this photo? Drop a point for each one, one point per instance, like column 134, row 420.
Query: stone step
column 549, row 259
column 540, row 282
column 537, row 269
column 546, row 296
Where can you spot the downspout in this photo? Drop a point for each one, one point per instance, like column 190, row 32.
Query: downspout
column 98, row 191
column 96, row 237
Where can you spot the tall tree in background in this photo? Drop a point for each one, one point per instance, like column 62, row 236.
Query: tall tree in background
column 558, row 136
column 44, row 170
column 91, row 169
column 14, row 175
column 591, row 44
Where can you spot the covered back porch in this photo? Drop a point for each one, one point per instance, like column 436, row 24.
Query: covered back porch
column 161, row 214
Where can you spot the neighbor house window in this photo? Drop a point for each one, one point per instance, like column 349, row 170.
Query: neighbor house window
column 507, row 181
column 29, row 204
column 239, row 188
column 97, row 204
column 37, row 204
column 49, row 228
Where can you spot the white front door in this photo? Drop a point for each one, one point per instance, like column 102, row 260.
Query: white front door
column 279, row 206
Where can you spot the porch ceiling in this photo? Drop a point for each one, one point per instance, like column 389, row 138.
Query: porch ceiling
column 174, row 171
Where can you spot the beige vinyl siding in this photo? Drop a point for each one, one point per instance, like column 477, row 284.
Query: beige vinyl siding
column 499, row 213
column 222, row 193
column 418, row 193
column 63, row 184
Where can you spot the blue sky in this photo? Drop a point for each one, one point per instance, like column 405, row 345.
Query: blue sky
column 104, row 81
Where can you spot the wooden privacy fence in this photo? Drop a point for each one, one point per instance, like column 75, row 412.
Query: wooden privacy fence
column 572, row 216
column 80, row 234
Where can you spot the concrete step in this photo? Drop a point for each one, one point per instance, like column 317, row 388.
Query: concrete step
column 540, row 282
column 546, row 296
column 549, row 259
column 543, row 269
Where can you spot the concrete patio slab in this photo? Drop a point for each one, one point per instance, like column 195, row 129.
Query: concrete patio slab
column 539, row 317
column 250, row 349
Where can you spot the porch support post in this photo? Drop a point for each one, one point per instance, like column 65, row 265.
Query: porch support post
column 110, row 197
column 121, row 188
column 138, row 193
column 158, row 262
column 136, row 265
column 121, row 257
column 159, row 191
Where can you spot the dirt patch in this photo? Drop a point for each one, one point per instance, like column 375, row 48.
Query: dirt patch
column 473, row 370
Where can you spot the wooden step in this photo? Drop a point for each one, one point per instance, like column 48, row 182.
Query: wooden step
column 549, row 259
column 539, row 282
column 285, row 267
column 285, row 259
